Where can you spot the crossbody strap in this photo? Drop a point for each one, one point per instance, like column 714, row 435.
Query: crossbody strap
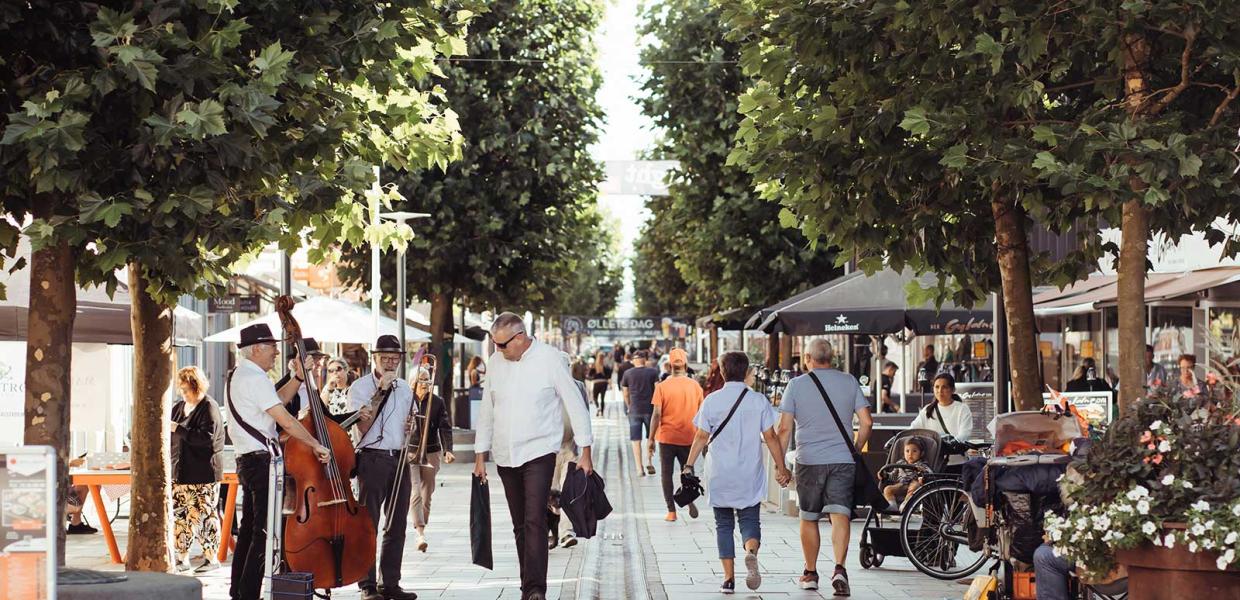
column 938, row 415
column 838, row 423
column 272, row 447
column 735, row 405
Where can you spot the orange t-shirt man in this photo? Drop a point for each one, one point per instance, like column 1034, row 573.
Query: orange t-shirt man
column 677, row 399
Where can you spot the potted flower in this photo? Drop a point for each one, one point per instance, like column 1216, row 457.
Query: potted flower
column 1159, row 494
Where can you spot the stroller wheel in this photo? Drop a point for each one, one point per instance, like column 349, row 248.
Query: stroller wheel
column 868, row 557
column 878, row 560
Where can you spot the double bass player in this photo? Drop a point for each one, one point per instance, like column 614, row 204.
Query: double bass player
column 255, row 409
column 384, row 403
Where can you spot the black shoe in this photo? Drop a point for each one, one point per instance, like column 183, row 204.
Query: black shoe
column 396, row 593
column 693, row 510
column 371, row 594
column 552, row 542
column 728, row 587
column 82, row 528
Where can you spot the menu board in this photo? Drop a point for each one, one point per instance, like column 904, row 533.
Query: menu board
column 1094, row 406
column 27, row 537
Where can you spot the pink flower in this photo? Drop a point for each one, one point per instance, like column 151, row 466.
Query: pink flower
column 1156, row 459
column 1146, row 437
column 1211, row 379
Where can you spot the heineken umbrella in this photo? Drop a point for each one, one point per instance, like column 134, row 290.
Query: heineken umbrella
column 872, row 305
column 759, row 318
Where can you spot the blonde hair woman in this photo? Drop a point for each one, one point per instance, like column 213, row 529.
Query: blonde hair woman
column 197, row 448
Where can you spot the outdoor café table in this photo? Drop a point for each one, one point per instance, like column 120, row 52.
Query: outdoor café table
column 94, row 479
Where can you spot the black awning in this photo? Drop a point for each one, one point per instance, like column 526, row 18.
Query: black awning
column 871, row 305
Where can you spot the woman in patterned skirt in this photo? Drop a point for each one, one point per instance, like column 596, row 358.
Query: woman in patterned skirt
column 197, row 447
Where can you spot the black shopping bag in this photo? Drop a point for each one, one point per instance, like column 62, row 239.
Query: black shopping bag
column 480, row 524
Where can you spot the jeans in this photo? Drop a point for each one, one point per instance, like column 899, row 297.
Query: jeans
column 1051, row 573
column 725, row 525
column 527, row 489
column 667, row 454
column 636, row 423
column 247, row 566
column 376, row 474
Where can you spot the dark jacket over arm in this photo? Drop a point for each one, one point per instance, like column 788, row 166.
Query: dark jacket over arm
column 197, row 443
column 440, row 436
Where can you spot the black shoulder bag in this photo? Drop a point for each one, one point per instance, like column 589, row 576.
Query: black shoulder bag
column 690, row 485
column 272, row 446
column 865, row 488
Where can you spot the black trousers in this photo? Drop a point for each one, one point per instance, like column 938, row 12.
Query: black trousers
column 527, row 489
column 376, row 472
column 248, row 565
column 600, row 394
column 667, row 454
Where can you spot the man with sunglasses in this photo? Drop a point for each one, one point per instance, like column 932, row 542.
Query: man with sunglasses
column 527, row 391
column 384, row 402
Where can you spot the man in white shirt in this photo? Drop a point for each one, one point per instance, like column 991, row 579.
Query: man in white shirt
column 255, row 409
column 527, row 390
column 384, row 402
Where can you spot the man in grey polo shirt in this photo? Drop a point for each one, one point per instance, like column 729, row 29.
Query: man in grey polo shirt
column 824, row 466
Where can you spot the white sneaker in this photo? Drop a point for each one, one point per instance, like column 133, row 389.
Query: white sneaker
column 754, row 578
column 422, row 543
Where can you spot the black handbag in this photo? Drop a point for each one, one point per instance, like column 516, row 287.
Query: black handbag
column 865, row 487
column 480, row 524
column 690, row 485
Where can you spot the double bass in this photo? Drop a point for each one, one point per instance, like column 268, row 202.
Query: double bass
column 329, row 533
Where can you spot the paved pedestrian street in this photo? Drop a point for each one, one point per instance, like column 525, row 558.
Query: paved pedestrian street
column 636, row 554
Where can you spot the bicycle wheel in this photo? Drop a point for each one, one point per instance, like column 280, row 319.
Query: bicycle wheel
column 933, row 532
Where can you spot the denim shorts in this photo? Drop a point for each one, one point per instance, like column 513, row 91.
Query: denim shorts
column 825, row 489
column 636, row 422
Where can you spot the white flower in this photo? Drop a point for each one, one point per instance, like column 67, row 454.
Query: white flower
column 1230, row 539
column 1102, row 523
column 1156, row 425
column 1201, row 505
column 1143, row 507
column 1192, row 546
column 1235, row 510
column 1188, row 485
column 1208, row 544
column 1140, row 492
column 1164, row 446
column 1170, row 540
column 1157, row 541
column 1210, row 524
column 1222, row 563
column 1225, row 559
column 1148, row 528
column 1125, row 508
column 1056, row 535
column 1168, row 479
column 1198, row 529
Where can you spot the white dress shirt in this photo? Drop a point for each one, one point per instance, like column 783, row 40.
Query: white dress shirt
column 957, row 416
column 252, row 394
column 523, row 402
column 387, row 431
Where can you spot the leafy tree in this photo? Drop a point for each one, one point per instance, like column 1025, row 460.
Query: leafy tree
column 511, row 218
column 728, row 244
column 658, row 286
column 175, row 138
column 932, row 124
column 595, row 282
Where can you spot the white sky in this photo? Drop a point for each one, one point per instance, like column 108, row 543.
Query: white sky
column 626, row 132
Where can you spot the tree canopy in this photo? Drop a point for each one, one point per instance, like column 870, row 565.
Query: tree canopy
column 513, row 221
column 725, row 242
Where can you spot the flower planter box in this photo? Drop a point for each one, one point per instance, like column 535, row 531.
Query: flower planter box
column 1159, row 573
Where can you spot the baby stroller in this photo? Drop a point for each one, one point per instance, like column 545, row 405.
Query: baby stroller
column 930, row 531
column 1011, row 491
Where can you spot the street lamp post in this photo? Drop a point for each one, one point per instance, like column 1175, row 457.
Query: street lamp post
column 401, row 217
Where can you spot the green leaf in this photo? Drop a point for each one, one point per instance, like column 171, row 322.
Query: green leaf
column 955, row 157
column 1045, row 135
column 1153, row 144
column 1190, row 165
column 1046, row 162
column 915, row 121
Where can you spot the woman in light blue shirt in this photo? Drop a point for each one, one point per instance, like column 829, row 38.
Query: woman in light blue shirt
column 738, row 478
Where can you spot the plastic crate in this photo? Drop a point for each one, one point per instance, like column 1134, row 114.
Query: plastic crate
column 1024, row 587
column 292, row 586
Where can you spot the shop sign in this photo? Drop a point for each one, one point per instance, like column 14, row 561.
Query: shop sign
column 624, row 327
column 233, row 303
column 841, row 324
column 980, row 398
column 1094, row 406
column 27, row 536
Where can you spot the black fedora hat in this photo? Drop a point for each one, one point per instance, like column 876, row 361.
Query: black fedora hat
column 258, row 333
column 312, row 348
column 388, row 344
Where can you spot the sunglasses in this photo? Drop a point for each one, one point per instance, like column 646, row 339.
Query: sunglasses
column 503, row 345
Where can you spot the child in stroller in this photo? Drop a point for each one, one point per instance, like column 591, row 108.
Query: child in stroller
column 904, row 477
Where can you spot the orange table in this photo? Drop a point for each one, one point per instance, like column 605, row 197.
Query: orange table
column 94, row 479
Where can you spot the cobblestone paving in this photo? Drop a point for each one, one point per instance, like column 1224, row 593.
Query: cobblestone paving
column 636, row 554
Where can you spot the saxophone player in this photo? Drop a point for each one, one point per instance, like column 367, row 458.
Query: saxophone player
column 384, row 402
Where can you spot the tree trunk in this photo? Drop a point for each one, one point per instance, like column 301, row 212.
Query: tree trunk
column 1134, row 240
column 1134, row 233
column 785, row 352
column 49, row 354
column 150, row 520
column 1012, row 250
column 772, row 351
column 441, row 341
column 714, row 345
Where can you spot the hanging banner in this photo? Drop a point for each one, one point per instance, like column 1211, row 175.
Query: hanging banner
column 625, row 327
